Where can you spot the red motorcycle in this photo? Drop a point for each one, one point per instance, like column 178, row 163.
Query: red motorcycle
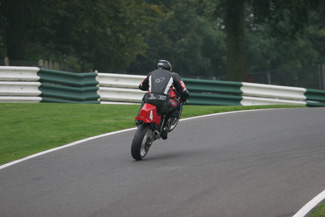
column 150, row 126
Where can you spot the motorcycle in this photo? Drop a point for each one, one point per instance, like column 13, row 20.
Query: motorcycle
column 150, row 126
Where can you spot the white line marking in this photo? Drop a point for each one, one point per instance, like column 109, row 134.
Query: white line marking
column 62, row 147
column 310, row 205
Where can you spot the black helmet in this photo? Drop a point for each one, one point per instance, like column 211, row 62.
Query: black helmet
column 164, row 64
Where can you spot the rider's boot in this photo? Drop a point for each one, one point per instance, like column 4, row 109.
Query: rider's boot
column 170, row 118
column 164, row 133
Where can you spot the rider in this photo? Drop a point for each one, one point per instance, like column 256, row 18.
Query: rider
column 161, row 84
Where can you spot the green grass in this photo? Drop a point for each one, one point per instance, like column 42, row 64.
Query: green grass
column 319, row 211
column 30, row 128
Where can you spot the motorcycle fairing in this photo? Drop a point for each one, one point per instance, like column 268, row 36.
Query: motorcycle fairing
column 148, row 114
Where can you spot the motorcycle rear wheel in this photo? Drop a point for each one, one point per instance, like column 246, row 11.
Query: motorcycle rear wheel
column 141, row 142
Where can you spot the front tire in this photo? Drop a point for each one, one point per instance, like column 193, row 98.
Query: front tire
column 141, row 142
column 174, row 121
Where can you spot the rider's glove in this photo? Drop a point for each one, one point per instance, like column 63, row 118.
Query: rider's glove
column 184, row 95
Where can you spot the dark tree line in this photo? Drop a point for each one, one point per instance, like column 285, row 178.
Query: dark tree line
column 225, row 39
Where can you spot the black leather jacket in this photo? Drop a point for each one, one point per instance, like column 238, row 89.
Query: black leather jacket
column 160, row 81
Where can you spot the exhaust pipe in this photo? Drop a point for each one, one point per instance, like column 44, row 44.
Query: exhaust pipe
column 156, row 134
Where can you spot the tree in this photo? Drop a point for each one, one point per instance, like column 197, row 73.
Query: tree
column 236, row 47
column 131, row 35
column 96, row 34
column 103, row 35
column 287, row 60
column 285, row 17
column 188, row 35
column 14, row 27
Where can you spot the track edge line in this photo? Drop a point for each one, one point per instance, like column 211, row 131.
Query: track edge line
column 310, row 205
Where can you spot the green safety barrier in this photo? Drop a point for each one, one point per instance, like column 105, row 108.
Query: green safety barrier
column 227, row 87
column 68, row 87
column 69, row 93
column 53, row 100
column 67, row 78
column 315, row 98
column 211, row 92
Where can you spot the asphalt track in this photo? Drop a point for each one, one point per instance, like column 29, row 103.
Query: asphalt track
column 254, row 164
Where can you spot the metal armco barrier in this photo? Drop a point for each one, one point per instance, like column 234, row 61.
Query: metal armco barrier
column 19, row 84
column 262, row 94
column 119, row 80
column 13, row 73
column 273, row 91
column 246, row 101
column 120, row 95
column 32, row 84
column 19, row 88
column 119, row 88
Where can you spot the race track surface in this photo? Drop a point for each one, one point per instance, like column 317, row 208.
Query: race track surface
column 250, row 164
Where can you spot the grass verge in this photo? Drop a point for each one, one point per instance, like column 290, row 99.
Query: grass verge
column 319, row 211
column 30, row 128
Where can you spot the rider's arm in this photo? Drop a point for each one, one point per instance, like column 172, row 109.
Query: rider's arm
column 144, row 84
column 180, row 87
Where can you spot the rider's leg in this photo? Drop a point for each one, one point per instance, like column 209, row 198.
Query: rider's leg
column 175, row 108
column 173, row 113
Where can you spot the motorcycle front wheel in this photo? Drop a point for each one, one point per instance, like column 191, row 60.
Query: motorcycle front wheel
column 174, row 121
column 141, row 142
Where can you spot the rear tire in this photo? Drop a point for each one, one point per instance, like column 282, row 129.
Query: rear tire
column 141, row 142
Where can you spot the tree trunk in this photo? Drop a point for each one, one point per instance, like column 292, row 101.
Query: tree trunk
column 236, row 50
column 16, row 29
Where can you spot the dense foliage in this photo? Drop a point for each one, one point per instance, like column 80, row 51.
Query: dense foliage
column 202, row 38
